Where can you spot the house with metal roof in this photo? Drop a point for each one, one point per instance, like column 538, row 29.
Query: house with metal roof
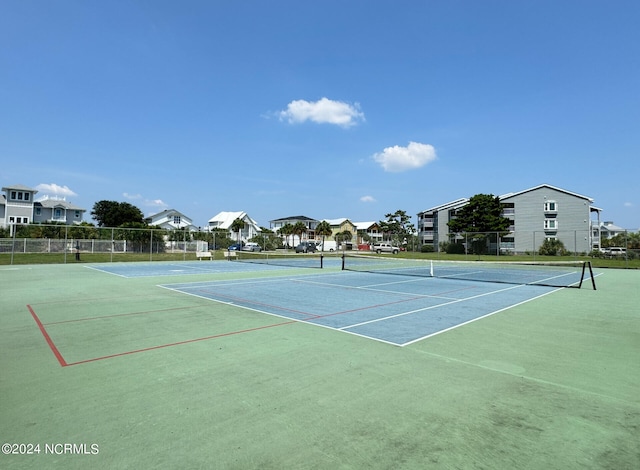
column 609, row 230
column 368, row 231
column 224, row 220
column 171, row 219
column 276, row 226
column 18, row 205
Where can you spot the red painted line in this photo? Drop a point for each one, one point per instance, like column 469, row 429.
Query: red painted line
column 120, row 315
column 48, row 339
column 85, row 300
column 367, row 307
column 310, row 316
column 253, row 302
column 179, row 343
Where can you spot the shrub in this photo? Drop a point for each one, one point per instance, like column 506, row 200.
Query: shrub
column 455, row 249
column 552, row 247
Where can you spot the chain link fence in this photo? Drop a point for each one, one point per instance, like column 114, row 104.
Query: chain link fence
column 31, row 243
column 575, row 243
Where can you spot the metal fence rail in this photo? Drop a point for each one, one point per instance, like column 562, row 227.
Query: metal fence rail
column 40, row 239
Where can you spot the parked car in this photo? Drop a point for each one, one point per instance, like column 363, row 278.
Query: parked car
column 251, row 246
column 236, row 247
column 616, row 251
column 385, row 248
column 306, row 247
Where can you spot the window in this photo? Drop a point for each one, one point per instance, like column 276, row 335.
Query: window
column 20, row 196
column 176, row 219
column 551, row 224
column 551, row 206
column 508, row 209
column 38, row 211
column 57, row 213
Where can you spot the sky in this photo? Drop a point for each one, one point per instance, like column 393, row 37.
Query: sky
column 326, row 109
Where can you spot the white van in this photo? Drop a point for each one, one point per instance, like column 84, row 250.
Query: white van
column 327, row 246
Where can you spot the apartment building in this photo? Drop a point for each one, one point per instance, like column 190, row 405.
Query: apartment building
column 538, row 213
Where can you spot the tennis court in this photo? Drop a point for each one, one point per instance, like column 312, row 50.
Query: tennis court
column 381, row 307
column 240, row 365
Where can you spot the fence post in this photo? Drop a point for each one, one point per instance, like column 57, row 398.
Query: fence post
column 65, row 244
column 13, row 244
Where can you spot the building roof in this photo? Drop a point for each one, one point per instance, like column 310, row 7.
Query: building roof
column 225, row 219
column 166, row 213
column 339, row 221
column 448, row 205
column 364, row 225
column 163, row 213
column 50, row 203
column 610, row 226
column 509, row 195
column 20, row 187
column 295, row 217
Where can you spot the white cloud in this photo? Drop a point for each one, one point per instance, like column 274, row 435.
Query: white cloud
column 323, row 111
column 396, row 159
column 55, row 189
column 367, row 199
column 154, row 203
column 628, row 204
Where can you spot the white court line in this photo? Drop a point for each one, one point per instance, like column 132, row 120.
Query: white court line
column 431, row 307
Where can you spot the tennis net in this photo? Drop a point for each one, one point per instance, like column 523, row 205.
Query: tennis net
column 296, row 260
column 554, row 274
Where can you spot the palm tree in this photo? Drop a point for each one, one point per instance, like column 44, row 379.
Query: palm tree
column 344, row 236
column 286, row 230
column 236, row 226
column 298, row 229
column 324, row 230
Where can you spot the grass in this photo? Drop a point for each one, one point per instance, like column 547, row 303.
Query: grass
column 62, row 258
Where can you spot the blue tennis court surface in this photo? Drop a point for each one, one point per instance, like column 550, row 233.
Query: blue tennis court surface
column 158, row 268
column 389, row 308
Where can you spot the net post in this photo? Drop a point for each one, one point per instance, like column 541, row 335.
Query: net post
column 593, row 279
column 584, row 265
column 321, row 261
column 343, row 256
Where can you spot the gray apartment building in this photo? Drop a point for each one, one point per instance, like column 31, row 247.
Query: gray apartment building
column 536, row 214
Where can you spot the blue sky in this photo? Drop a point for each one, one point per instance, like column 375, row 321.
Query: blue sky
column 326, row 109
